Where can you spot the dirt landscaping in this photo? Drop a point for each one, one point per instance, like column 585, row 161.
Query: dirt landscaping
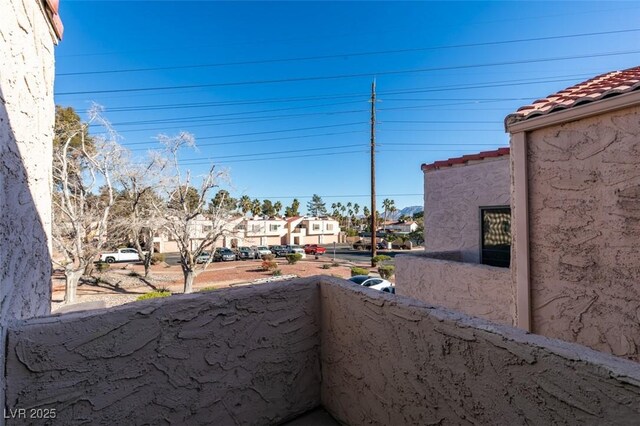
column 124, row 283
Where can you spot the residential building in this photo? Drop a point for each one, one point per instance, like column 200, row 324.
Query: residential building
column 401, row 227
column 465, row 265
column 239, row 231
column 574, row 219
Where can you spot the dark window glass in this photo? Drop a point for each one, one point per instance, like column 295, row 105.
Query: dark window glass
column 496, row 236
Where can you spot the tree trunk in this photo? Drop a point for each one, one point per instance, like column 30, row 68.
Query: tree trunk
column 189, row 276
column 71, row 284
column 147, row 263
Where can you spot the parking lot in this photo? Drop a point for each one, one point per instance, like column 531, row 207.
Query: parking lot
column 342, row 252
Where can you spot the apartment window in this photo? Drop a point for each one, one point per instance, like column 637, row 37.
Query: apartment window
column 316, row 227
column 329, row 226
column 496, row 236
column 255, row 228
column 273, row 227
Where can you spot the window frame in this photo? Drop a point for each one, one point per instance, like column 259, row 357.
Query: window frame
column 481, row 211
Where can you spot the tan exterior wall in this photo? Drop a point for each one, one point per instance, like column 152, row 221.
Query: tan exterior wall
column 584, row 228
column 453, row 196
column 262, row 354
column 239, row 356
column 26, row 132
column 390, row 360
column 477, row 290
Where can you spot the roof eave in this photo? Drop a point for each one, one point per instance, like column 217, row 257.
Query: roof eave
column 514, row 123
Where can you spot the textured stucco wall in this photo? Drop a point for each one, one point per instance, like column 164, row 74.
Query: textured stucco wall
column 261, row 354
column 584, row 230
column 26, row 133
column 246, row 355
column 390, row 360
column 477, row 290
column 452, row 197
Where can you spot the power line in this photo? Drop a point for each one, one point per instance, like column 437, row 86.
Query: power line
column 260, row 154
column 333, row 196
column 343, row 55
column 266, row 132
column 489, row 84
column 259, row 140
column 355, row 75
column 231, row 115
column 232, row 103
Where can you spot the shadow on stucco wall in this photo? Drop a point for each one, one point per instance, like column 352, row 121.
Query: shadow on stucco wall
column 25, row 273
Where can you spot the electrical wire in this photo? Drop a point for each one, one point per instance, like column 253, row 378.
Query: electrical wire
column 354, row 75
column 343, row 55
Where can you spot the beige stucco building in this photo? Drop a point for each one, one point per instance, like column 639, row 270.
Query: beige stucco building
column 260, row 231
column 29, row 31
column 575, row 199
column 466, row 202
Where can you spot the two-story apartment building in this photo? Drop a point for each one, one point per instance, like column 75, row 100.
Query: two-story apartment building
column 258, row 231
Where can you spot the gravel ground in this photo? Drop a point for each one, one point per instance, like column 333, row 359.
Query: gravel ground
column 124, row 283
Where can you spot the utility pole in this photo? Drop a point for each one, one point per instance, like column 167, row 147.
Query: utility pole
column 374, row 248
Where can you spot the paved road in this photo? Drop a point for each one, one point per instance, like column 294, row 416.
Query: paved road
column 343, row 252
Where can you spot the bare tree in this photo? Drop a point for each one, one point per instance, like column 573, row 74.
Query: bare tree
column 135, row 215
column 83, row 194
column 187, row 220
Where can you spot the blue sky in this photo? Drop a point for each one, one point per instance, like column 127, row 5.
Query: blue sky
column 447, row 74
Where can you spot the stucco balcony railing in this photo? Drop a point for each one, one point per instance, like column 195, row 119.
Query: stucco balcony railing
column 261, row 355
column 442, row 278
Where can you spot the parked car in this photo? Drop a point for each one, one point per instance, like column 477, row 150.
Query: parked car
column 248, row 253
column 121, row 255
column 296, row 249
column 204, row 257
column 263, row 250
column 366, row 245
column 279, row 250
column 314, row 249
column 375, row 283
column 224, row 254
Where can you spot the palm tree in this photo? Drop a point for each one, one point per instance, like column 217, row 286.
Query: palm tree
column 256, row 207
column 387, row 204
column 244, row 204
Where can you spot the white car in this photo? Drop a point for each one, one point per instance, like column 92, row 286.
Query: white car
column 121, row 255
column 263, row 250
column 375, row 283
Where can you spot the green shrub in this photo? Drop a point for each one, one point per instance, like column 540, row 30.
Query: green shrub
column 335, row 264
column 210, row 288
column 292, row 258
column 386, row 271
column 154, row 294
column 268, row 257
column 269, row 265
column 379, row 259
column 102, row 266
column 326, row 266
column 157, row 258
column 359, row 271
column 276, row 272
column 352, row 232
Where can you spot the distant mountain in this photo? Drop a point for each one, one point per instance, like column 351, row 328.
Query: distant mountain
column 407, row 211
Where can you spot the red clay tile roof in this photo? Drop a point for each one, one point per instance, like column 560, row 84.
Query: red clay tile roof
column 600, row 87
column 465, row 158
column 52, row 7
